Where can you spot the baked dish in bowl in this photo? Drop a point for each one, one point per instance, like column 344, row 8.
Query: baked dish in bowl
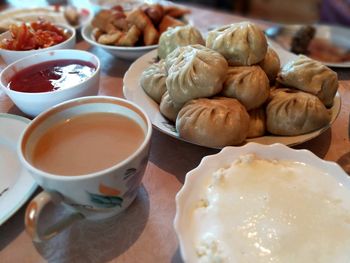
column 258, row 203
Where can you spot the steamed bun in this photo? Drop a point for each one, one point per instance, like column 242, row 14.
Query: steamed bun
column 310, row 76
column 242, row 44
column 153, row 80
column 257, row 123
column 194, row 72
column 213, row 122
column 271, row 64
column 249, row 85
column 178, row 36
column 293, row 112
column 168, row 108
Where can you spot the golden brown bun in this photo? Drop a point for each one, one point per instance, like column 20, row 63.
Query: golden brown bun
column 242, row 44
column 153, row 81
column 169, row 108
column 257, row 123
column 248, row 84
column 194, row 72
column 293, row 112
column 310, row 76
column 216, row 122
column 271, row 64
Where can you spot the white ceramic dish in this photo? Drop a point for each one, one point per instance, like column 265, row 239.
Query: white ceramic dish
column 132, row 91
column 191, row 190
column 34, row 103
column 339, row 36
column 126, row 4
column 10, row 56
column 16, row 185
column 129, row 53
column 51, row 13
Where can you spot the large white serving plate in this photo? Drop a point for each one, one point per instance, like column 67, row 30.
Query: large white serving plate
column 133, row 92
column 16, row 185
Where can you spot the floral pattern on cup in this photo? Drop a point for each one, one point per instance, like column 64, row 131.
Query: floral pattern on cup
column 171, row 127
column 134, row 179
column 105, row 201
column 108, row 198
column 2, row 192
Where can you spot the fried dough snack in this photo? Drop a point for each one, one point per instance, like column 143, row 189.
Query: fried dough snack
column 175, row 11
column 141, row 26
column 167, row 22
column 144, row 23
column 130, row 38
column 155, row 13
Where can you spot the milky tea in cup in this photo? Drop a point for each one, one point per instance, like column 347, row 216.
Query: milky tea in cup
column 84, row 144
column 89, row 154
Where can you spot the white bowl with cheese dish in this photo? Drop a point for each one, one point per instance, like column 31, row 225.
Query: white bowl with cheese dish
column 259, row 203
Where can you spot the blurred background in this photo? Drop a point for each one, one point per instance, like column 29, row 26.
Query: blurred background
column 283, row 11
column 286, row 11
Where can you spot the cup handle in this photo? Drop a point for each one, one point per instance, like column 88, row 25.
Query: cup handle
column 33, row 213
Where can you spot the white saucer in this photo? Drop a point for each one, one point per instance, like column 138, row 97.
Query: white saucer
column 16, row 185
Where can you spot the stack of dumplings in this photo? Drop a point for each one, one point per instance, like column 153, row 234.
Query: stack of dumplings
column 230, row 87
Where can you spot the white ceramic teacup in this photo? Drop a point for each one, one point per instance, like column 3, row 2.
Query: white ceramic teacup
column 96, row 195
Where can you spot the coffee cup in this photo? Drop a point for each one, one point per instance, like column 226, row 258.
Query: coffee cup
column 89, row 155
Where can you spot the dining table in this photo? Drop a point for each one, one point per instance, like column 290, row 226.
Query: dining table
column 144, row 232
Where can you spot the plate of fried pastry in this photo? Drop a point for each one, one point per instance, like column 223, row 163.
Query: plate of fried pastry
column 231, row 88
column 129, row 34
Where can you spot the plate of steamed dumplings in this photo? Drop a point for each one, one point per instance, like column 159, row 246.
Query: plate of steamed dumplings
column 233, row 87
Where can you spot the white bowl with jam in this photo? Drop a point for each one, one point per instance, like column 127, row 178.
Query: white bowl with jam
column 264, row 203
column 38, row 82
column 17, row 44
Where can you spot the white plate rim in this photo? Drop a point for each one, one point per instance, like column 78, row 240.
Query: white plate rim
column 321, row 28
column 133, row 92
column 211, row 163
column 30, row 184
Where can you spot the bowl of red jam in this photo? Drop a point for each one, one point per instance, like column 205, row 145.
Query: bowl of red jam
column 26, row 39
column 38, row 82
